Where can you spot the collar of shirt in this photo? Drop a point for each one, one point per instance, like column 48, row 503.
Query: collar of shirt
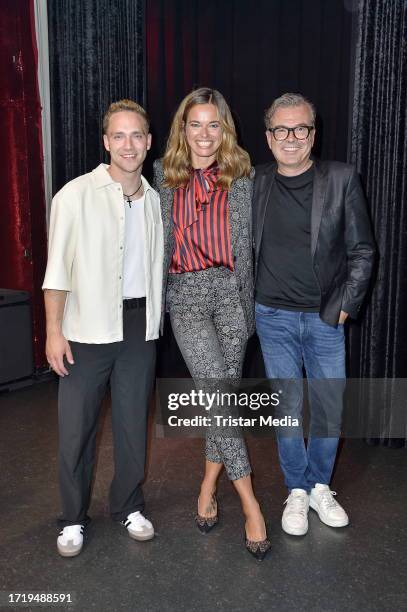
column 103, row 179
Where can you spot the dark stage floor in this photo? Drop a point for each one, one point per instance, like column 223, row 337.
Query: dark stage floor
column 362, row 567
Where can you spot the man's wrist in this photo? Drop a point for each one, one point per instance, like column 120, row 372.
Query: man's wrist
column 54, row 330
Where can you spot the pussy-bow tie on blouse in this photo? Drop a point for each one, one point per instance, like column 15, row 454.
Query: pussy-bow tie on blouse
column 197, row 193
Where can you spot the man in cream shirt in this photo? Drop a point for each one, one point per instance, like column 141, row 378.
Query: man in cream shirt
column 103, row 306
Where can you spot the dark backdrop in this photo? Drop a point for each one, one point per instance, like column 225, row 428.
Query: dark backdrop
column 379, row 149
column 252, row 52
column 378, row 347
column 96, row 57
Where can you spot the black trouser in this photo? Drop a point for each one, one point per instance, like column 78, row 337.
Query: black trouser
column 129, row 365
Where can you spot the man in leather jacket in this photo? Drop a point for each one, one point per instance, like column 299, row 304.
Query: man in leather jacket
column 314, row 254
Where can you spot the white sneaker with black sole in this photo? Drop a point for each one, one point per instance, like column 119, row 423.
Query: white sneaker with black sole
column 329, row 511
column 295, row 516
column 70, row 541
column 138, row 526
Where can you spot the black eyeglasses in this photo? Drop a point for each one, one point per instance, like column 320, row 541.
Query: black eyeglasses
column 301, row 132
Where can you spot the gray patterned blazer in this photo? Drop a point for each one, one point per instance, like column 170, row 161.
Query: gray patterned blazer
column 240, row 206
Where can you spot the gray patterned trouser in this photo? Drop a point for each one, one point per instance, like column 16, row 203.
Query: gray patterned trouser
column 209, row 326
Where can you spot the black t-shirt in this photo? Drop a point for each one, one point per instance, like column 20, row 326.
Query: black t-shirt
column 285, row 278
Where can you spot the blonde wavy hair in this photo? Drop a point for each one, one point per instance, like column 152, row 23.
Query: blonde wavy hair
column 233, row 161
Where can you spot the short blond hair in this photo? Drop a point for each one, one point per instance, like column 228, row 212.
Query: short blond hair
column 125, row 105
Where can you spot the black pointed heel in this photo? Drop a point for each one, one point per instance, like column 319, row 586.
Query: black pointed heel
column 259, row 550
column 206, row 523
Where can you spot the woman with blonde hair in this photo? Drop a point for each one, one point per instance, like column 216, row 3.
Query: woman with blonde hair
column 205, row 186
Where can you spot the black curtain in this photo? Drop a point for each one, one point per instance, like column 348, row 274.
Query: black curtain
column 378, row 345
column 252, row 52
column 96, row 57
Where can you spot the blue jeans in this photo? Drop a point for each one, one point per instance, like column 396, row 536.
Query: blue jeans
column 290, row 340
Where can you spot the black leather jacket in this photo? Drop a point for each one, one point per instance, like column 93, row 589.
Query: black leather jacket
column 342, row 245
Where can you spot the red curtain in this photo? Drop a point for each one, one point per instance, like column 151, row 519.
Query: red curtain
column 22, row 226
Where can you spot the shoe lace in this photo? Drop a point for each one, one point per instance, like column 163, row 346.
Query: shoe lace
column 296, row 504
column 327, row 499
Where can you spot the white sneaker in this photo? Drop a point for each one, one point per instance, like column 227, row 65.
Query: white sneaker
column 138, row 526
column 70, row 541
column 329, row 511
column 295, row 515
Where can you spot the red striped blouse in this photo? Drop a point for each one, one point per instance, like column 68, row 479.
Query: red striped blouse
column 201, row 224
